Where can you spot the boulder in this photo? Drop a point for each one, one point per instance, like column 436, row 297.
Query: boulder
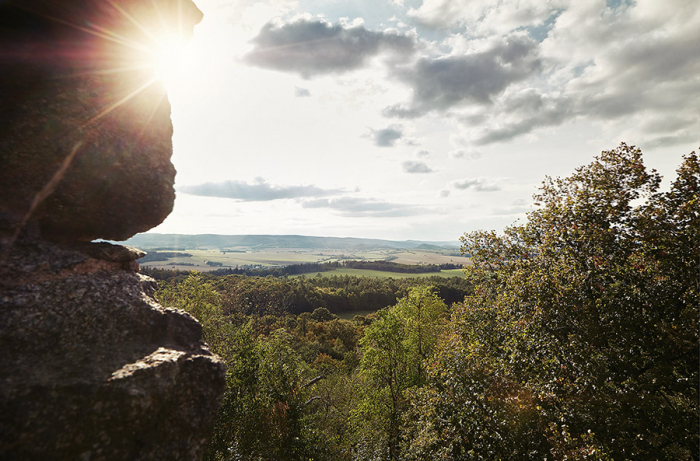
column 86, row 136
column 93, row 368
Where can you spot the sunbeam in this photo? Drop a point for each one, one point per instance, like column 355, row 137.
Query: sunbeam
column 119, row 103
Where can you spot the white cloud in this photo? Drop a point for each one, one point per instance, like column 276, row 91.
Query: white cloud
column 416, row 167
column 260, row 191
column 486, row 16
column 635, row 62
column 361, row 207
column 464, row 154
column 478, row 184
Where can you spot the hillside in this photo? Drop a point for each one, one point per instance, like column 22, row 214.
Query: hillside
column 214, row 241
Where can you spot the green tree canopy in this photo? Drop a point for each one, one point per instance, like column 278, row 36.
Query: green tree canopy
column 394, row 348
column 581, row 338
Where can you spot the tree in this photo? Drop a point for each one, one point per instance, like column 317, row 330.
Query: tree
column 394, row 347
column 199, row 299
column 581, row 338
column 262, row 411
column 422, row 313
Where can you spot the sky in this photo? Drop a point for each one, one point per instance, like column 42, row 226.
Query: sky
column 423, row 120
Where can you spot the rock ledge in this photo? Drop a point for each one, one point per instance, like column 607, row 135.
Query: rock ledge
column 93, row 368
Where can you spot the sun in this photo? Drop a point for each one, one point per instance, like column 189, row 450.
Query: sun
column 170, row 58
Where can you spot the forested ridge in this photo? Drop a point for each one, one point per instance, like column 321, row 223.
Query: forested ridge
column 297, row 269
column 577, row 340
column 240, row 294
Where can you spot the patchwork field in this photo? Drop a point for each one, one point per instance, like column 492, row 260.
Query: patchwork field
column 382, row 274
column 207, row 260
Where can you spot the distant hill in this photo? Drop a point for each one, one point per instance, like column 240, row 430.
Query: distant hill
column 430, row 246
column 214, row 241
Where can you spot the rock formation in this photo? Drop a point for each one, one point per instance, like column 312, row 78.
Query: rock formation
column 78, row 96
column 92, row 367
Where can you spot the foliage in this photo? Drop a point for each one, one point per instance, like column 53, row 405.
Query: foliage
column 280, row 271
column 262, row 409
column 394, row 348
column 281, row 296
column 578, row 340
column 273, row 410
column 581, row 338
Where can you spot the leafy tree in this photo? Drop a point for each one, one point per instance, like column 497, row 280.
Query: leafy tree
column 394, row 347
column 334, row 398
column 198, row 297
column 422, row 313
column 262, row 413
column 322, row 314
column 581, row 338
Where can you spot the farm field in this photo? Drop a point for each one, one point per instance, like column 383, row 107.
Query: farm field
column 383, row 274
column 284, row 257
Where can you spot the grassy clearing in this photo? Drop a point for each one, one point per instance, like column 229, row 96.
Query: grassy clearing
column 428, row 257
column 288, row 256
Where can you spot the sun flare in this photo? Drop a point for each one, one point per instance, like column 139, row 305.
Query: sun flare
column 170, row 58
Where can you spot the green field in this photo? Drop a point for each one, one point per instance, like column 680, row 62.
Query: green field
column 383, row 274
column 286, row 256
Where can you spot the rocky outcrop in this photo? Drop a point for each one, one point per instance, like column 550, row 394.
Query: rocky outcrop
column 85, row 125
column 92, row 367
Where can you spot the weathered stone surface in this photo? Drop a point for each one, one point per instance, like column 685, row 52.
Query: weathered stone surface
column 83, row 124
column 109, row 252
column 93, row 368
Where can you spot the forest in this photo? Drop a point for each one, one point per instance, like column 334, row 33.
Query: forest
column 573, row 336
column 340, row 294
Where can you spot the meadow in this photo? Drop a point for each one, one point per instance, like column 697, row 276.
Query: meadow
column 204, row 260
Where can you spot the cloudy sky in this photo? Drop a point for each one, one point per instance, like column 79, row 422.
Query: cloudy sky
column 410, row 119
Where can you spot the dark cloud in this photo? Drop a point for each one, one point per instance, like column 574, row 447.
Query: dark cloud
column 260, row 191
column 477, row 184
column 443, row 83
column 669, row 124
column 682, row 137
column 422, row 153
column 416, row 167
column 387, row 137
column 526, row 112
column 360, row 207
column 316, row 47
